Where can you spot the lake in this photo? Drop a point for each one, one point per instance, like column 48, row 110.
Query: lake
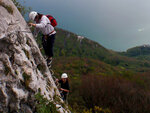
column 115, row 24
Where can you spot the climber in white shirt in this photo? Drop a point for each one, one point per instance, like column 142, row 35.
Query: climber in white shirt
column 43, row 24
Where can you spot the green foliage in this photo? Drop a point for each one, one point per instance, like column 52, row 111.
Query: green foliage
column 67, row 44
column 115, row 82
column 101, row 110
column 81, row 66
column 115, row 86
column 138, row 51
column 44, row 106
column 97, row 109
column 26, row 78
column 76, row 68
column 7, row 7
column 116, row 93
column 23, row 9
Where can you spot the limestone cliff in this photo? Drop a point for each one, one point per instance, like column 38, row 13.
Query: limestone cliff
column 23, row 70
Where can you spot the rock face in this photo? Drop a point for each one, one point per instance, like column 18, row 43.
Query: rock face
column 23, row 70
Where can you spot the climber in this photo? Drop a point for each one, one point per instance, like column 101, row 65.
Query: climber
column 64, row 86
column 43, row 24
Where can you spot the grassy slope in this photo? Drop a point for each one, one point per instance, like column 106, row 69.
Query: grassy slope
column 67, row 44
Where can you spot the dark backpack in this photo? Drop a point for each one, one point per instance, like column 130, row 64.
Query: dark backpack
column 52, row 20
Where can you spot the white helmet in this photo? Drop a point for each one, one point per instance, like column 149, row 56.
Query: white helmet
column 32, row 15
column 64, row 75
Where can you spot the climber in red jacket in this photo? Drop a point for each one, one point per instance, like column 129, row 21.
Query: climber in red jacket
column 43, row 24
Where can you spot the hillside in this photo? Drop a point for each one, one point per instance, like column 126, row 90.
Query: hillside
column 95, row 83
column 96, row 74
column 99, row 76
column 68, row 44
column 139, row 52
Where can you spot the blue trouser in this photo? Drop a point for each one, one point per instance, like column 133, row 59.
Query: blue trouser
column 63, row 95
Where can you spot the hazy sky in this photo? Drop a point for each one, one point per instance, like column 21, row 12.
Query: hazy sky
column 115, row 24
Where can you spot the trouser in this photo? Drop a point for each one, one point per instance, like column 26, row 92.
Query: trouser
column 64, row 95
column 48, row 43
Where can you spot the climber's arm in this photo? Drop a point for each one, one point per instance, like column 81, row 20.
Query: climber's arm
column 66, row 90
